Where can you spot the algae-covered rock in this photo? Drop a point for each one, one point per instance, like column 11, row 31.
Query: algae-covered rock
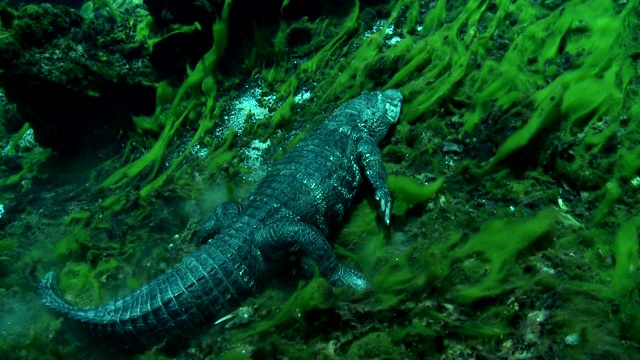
column 377, row 345
column 76, row 82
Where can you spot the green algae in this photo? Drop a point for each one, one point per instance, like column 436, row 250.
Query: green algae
column 15, row 178
column 10, row 150
column 114, row 203
column 361, row 234
column 147, row 123
column 223, row 155
column 150, row 159
column 579, row 95
column 469, row 270
column 203, row 71
column 625, row 277
column 408, row 192
column 499, row 242
column 612, row 193
column 317, row 294
column 619, row 282
column 156, row 123
column 205, row 124
column 7, row 245
column 371, row 346
column 547, row 113
column 334, row 48
column 235, row 354
column 82, row 280
column 284, row 112
column 394, row 278
column 540, row 96
column 68, row 247
column 80, row 217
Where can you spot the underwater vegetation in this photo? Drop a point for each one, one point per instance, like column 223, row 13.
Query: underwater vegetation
column 74, row 79
column 515, row 172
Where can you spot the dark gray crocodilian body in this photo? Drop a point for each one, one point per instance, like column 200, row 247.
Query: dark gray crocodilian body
column 288, row 215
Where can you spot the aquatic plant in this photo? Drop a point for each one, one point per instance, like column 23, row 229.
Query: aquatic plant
column 529, row 247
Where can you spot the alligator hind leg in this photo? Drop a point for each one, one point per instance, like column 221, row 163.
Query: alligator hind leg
column 224, row 215
column 307, row 243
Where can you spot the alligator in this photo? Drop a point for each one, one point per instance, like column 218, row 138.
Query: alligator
column 288, row 215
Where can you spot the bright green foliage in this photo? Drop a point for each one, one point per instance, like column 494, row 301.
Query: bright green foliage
column 394, row 278
column 628, row 162
column 347, row 83
column 539, row 244
column 284, row 112
column 107, row 6
column 625, row 278
column 612, row 193
column 14, row 179
column 332, row 49
column 81, row 280
column 143, row 29
column 11, row 151
column 151, row 160
column 499, row 242
column 284, row 4
column 576, row 96
column 152, row 124
column 317, row 294
column 547, row 112
column 69, row 245
column 408, row 192
column 114, row 203
column 156, row 123
column 223, row 154
column 16, row 138
column 164, row 95
column 362, row 234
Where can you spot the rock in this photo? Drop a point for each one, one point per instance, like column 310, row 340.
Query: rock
column 76, row 82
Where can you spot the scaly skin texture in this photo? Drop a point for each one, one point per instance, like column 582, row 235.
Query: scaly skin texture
column 288, row 215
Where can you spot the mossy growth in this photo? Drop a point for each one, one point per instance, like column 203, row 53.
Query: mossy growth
column 533, row 254
column 372, row 346
column 69, row 246
column 499, row 242
column 624, row 275
column 83, row 281
column 408, row 192
column 199, row 79
column 7, row 245
column 317, row 294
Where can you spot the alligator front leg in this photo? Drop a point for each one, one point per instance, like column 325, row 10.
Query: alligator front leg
column 224, row 215
column 307, row 243
column 370, row 158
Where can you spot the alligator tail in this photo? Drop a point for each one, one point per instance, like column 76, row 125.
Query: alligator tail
column 169, row 308
column 52, row 297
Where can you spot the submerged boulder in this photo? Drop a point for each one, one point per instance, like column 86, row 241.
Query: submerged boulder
column 75, row 81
